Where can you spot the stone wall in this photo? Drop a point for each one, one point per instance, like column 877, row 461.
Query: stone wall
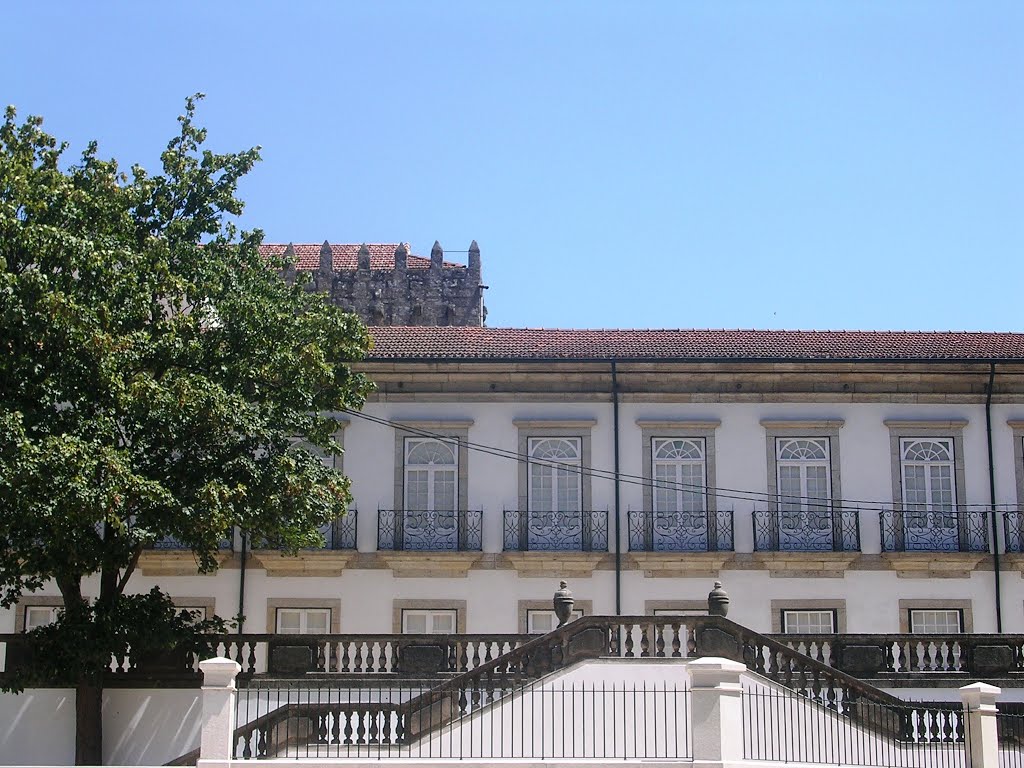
column 409, row 290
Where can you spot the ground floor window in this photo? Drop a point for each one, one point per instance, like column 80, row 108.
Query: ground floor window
column 540, row 622
column 303, row 621
column 936, row 621
column 429, row 621
column 39, row 616
column 817, row 622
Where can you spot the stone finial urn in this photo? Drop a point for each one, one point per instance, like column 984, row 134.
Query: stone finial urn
column 718, row 601
column 563, row 603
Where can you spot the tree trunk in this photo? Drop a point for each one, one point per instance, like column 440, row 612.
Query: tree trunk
column 89, row 722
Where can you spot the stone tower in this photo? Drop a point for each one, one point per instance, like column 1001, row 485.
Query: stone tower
column 385, row 284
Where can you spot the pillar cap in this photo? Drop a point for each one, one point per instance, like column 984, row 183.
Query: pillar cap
column 219, row 672
column 980, row 694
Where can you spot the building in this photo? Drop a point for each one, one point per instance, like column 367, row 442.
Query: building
column 848, row 488
column 388, row 285
column 834, row 481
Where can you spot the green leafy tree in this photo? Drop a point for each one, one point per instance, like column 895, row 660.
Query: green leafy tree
column 158, row 379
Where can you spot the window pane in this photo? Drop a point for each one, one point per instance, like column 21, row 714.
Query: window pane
column 936, row 622
column 39, row 616
column 414, row 622
column 808, row 622
column 289, row 621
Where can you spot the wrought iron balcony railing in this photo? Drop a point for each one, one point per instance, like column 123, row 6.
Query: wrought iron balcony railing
column 171, row 543
column 814, row 529
column 699, row 531
column 571, row 531
column 338, row 534
column 341, row 533
column 934, row 530
column 1013, row 530
column 429, row 530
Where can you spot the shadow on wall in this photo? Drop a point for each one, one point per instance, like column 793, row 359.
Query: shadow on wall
column 140, row 727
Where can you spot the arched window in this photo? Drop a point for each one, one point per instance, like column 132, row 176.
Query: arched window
column 679, row 475
column 804, row 473
column 928, row 479
column 554, row 474
column 431, row 475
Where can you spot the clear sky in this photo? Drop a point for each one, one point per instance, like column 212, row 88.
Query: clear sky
column 642, row 164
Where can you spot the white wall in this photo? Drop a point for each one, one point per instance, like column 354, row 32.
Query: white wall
column 492, row 594
column 140, row 727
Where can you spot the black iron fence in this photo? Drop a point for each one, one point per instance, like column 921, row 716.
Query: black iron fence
column 429, row 530
column 810, row 529
column 565, row 531
column 535, row 721
column 696, row 531
column 783, row 727
column 1010, row 733
column 934, row 530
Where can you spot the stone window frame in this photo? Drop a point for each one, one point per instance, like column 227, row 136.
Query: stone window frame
column 951, row 429
column 693, row 606
column 207, row 603
column 569, row 428
column 1017, row 425
column 681, row 429
column 836, row 605
column 809, row 428
column 585, row 607
column 334, row 604
column 418, row 604
column 450, row 429
column 34, row 601
column 965, row 606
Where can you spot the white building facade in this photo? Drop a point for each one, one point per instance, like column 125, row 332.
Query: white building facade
column 834, row 482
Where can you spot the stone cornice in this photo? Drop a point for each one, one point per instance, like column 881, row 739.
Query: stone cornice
column 934, row 565
column 320, row 562
column 802, row 423
column 452, row 565
column 679, row 424
column 792, row 565
column 175, row 562
column 554, row 565
column 925, row 423
column 554, row 423
column 432, row 423
column 678, row 564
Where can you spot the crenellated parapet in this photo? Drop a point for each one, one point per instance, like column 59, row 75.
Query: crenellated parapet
column 385, row 284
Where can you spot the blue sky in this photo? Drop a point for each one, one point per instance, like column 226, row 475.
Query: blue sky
column 678, row 164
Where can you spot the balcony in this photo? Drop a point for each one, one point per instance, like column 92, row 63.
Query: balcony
column 341, row 533
column 698, row 531
column 171, row 544
column 1013, row 531
column 429, row 530
column 823, row 529
column 571, row 531
column 933, row 530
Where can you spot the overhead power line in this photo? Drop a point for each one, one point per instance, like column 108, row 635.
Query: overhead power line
column 736, row 494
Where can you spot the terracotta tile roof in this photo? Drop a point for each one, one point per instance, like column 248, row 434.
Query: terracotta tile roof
column 382, row 255
column 474, row 343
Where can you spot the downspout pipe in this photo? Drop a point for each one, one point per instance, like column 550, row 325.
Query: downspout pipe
column 241, row 585
column 992, row 496
column 618, row 516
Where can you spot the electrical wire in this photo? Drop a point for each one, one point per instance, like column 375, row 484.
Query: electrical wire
column 735, row 494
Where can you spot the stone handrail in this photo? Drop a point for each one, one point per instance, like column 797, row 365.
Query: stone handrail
column 640, row 637
column 916, row 656
column 297, row 654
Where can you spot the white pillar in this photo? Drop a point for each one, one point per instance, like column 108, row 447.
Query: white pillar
column 979, row 700
column 216, row 742
column 716, row 712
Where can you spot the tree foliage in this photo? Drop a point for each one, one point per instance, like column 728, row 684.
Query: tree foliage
column 157, row 376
